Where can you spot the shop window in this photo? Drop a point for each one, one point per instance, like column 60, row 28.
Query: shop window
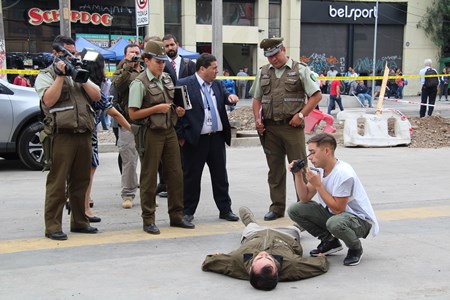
column 274, row 18
column 239, row 13
column 172, row 18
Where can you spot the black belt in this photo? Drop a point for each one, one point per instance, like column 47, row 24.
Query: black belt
column 211, row 133
column 279, row 122
column 70, row 131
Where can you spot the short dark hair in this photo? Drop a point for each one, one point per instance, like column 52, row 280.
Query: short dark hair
column 204, row 60
column 265, row 281
column 63, row 39
column 324, row 139
column 129, row 46
column 170, row 36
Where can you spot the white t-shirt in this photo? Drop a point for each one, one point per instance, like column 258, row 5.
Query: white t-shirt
column 343, row 182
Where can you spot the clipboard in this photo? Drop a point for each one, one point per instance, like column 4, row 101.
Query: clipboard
column 182, row 97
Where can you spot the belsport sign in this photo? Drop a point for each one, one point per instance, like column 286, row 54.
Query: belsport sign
column 352, row 13
column 38, row 16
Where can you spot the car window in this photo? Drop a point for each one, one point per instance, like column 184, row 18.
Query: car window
column 5, row 91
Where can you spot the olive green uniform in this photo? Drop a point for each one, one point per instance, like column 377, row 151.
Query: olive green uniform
column 283, row 93
column 69, row 123
column 160, row 142
column 290, row 263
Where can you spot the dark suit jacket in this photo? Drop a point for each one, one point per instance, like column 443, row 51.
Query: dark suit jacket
column 187, row 68
column 190, row 125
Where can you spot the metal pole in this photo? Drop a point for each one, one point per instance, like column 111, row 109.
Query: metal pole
column 217, row 40
column 374, row 51
column 64, row 17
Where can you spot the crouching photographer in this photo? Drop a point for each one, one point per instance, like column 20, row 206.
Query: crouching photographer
column 68, row 122
column 343, row 212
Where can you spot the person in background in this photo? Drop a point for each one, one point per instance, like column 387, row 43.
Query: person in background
column 127, row 71
column 443, row 84
column 335, row 95
column 22, row 81
column 362, row 92
column 97, row 70
column 428, row 93
column 230, row 87
column 400, row 84
column 242, row 84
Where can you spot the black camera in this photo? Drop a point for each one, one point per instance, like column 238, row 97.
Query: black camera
column 299, row 164
column 73, row 65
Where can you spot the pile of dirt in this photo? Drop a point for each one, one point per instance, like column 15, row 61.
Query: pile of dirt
column 428, row 132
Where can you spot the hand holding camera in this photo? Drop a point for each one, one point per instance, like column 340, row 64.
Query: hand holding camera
column 299, row 164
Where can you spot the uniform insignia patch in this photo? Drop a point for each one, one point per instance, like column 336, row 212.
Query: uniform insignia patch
column 312, row 77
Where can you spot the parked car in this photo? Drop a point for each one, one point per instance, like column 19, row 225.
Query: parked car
column 20, row 125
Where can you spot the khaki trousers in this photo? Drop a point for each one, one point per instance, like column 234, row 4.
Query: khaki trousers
column 161, row 144
column 72, row 163
column 281, row 141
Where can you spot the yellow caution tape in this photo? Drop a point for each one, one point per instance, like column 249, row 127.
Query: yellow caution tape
column 110, row 73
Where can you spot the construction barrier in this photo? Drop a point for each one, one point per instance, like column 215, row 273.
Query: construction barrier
column 315, row 117
column 390, row 128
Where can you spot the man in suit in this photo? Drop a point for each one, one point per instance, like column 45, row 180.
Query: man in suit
column 202, row 133
column 177, row 66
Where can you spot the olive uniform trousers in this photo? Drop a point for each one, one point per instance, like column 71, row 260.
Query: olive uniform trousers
column 281, row 139
column 161, row 145
column 71, row 157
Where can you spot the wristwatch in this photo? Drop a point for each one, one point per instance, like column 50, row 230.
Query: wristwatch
column 300, row 115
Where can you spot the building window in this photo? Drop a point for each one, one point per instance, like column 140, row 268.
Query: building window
column 274, row 18
column 172, row 18
column 239, row 13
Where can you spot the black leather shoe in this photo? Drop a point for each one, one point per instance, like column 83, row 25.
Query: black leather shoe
column 93, row 219
column 183, row 223
column 88, row 229
column 58, row 236
column 270, row 216
column 229, row 216
column 188, row 218
column 152, row 229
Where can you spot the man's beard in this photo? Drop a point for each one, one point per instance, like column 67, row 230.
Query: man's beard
column 172, row 53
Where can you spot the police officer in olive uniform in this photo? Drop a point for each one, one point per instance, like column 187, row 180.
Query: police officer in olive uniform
column 151, row 107
column 280, row 91
column 69, row 122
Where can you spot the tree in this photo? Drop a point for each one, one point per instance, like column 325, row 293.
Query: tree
column 436, row 24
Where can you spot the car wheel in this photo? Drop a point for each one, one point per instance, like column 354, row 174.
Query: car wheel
column 29, row 146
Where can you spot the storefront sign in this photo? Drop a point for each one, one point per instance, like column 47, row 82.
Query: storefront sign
column 38, row 16
column 351, row 13
column 327, row 12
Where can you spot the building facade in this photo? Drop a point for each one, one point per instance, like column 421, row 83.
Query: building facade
column 321, row 33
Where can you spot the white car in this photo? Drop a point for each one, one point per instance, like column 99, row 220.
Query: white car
column 20, row 125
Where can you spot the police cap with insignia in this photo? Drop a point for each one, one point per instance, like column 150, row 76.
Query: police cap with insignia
column 156, row 49
column 271, row 46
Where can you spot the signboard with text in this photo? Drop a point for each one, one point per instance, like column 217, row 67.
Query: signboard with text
column 142, row 12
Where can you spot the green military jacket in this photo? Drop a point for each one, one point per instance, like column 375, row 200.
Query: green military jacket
column 288, row 251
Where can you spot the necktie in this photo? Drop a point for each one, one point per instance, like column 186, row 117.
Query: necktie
column 174, row 65
column 211, row 108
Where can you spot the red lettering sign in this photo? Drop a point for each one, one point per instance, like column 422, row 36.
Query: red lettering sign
column 37, row 17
